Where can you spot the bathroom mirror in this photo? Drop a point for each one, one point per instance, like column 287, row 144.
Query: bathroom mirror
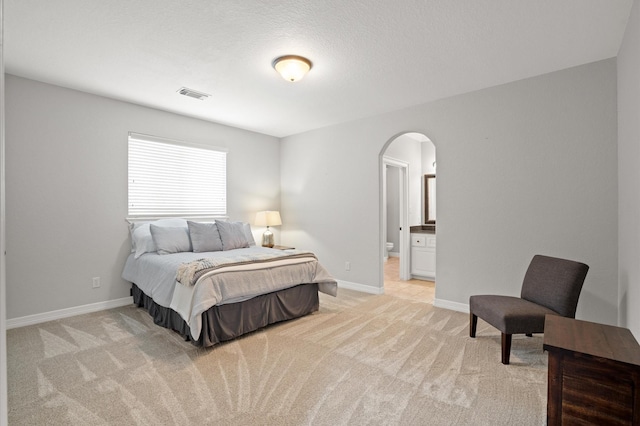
column 429, row 199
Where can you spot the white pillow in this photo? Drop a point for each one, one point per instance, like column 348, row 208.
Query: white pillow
column 141, row 239
column 204, row 237
column 170, row 239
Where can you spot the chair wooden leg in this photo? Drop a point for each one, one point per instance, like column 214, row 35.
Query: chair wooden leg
column 473, row 324
column 506, row 348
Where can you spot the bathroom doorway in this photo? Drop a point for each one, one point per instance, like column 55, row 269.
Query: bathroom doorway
column 395, row 214
column 405, row 160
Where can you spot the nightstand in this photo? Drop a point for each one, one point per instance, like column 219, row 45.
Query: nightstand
column 594, row 373
column 283, row 248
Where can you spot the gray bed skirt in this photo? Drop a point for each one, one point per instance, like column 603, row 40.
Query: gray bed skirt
column 226, row 322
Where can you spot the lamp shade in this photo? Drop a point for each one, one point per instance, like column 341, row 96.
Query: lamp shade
column 268, row 218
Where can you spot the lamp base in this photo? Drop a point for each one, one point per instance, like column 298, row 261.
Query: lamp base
column 267, row 238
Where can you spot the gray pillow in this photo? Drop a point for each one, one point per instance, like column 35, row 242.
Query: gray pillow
column 170, row 239
column 232, row 235
column 248, row 234
column 204, row 237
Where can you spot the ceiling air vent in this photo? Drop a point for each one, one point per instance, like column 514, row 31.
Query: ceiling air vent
column 193, row 93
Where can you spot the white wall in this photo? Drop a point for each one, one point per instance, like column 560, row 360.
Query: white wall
column 66, row 195
column 527, row 167
column 409, row 150
column 3, row 300
column 523, row 168
column 629, row 174
column 428, row 158
column 428, row 168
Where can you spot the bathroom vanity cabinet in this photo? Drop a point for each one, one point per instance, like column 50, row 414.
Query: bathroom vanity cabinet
column 423, row 256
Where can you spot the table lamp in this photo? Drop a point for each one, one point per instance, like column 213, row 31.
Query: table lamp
column 268, row 218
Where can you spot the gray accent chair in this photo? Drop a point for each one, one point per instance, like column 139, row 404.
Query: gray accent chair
column 550, row 286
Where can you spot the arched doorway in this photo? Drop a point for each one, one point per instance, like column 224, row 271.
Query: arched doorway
column 405, row 160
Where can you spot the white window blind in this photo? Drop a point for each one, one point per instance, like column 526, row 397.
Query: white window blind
column 171, row 178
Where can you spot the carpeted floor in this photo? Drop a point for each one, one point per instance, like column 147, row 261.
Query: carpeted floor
column 362, row 359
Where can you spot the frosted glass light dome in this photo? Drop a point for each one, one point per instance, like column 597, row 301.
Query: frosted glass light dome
column 292, row 68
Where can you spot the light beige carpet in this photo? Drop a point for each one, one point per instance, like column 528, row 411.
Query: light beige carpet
column 362, row 359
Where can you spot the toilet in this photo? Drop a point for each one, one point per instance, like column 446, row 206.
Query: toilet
column 389, row 248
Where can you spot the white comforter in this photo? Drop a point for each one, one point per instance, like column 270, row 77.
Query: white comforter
column 155, row 275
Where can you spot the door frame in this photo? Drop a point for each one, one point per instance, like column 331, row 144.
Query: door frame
column 405, row 264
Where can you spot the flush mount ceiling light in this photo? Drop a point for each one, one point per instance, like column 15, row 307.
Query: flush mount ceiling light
column 292, row 67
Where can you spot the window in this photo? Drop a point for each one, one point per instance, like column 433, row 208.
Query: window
column 172, row 178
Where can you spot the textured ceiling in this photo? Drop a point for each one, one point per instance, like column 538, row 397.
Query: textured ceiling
column 369, row 56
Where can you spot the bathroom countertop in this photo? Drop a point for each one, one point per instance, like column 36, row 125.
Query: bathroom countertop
column 423, row 229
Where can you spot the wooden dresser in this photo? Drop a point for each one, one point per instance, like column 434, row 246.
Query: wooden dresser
column 594, row 373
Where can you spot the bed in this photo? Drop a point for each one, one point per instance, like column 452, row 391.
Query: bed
column 190, row 281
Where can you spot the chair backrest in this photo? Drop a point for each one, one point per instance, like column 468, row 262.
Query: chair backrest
column 554, row 283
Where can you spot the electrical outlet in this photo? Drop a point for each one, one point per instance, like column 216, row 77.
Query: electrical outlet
column 347, row 266
column 96, row 282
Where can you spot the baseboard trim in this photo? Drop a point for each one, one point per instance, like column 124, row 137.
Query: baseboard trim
column 110, row 304
column 454, row 306
column 422, row 277
column 67, row 312
column 394, row 254
column 359, row 287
